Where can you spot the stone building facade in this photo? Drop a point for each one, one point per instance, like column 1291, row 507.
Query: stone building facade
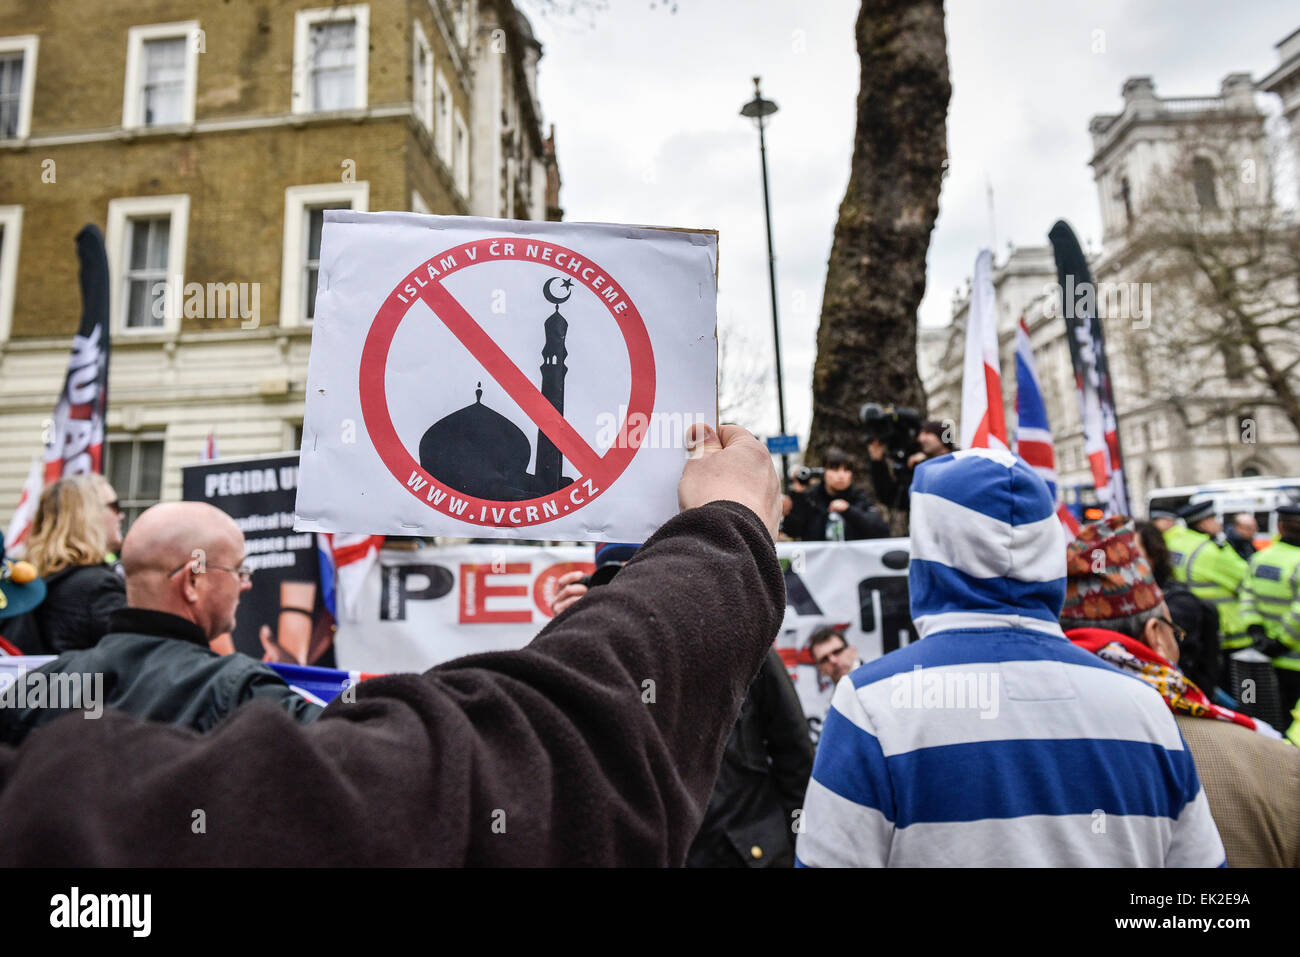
column 1169, row 435
column 205, row 138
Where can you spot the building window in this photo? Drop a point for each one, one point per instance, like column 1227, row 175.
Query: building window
column 460, row 21
column 17, row 84
column 134, row 468
column 11, row 229
column 331, row 57
column 304, row 221
column 162, row 67
column 442, row 139
column 146, row 271
column 146, row 261
column 314, row 223
column 422, row 78
column 462, row 155
column 1203, row 181
column 1232, row 361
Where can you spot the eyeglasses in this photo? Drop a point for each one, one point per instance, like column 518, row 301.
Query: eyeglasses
column 829, row 655
column 244, row 572
column 1179, row 632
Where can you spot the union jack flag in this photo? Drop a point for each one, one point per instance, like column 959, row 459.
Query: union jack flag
column 1033, row 435
column 344, row 561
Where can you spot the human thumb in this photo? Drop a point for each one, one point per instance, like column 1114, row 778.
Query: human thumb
column 701, row 439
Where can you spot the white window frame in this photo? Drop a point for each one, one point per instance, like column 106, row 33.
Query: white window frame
column 460, row 22
column 442, row 138
column 302, row 24
column 423, row 102
column 297, row 200
column 134, row 440
column 418, row 205
column 120, row 214
column 11, row 237
column 460, row 164
column 28, row 46
column 132, row 113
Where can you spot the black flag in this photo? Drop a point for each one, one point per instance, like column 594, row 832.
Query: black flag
column 1091, row 371
column 76, row 442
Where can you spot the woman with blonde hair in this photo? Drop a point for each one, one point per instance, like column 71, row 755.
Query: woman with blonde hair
column 78, row 523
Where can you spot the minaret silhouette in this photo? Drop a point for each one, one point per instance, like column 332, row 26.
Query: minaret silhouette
column 549, row 461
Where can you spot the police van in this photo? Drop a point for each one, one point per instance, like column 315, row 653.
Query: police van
column 1259, row 495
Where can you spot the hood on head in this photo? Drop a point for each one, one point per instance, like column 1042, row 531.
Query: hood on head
column 987, row 548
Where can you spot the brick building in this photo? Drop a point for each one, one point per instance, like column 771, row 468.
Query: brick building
column 205, row 138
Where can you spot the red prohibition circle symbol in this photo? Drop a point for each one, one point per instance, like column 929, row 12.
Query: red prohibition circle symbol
column 596, row 472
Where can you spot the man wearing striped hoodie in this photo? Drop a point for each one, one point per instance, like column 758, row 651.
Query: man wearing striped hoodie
column 993, row 741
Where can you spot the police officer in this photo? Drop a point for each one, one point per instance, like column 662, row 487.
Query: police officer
column 1212, row 570
column 1270, row 603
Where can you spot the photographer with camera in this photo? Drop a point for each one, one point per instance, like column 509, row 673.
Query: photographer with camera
column 897, row 447
column 833, row 510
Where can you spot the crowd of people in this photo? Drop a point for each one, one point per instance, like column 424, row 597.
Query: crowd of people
column 1013, row 732
column 837, row 509
column 1068, row 703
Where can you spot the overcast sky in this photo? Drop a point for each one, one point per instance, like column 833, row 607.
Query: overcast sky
column 646, row 106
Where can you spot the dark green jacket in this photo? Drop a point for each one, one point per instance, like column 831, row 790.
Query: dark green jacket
column 155, row 666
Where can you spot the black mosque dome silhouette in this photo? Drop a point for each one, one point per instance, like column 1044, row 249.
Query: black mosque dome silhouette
column 478, row 451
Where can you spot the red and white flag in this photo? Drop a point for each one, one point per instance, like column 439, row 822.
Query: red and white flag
column 983, row 424
column 209, row 453
column 25, row 513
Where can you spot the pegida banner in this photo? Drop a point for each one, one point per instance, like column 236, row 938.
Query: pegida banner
column 258, row 493
column 424, row 606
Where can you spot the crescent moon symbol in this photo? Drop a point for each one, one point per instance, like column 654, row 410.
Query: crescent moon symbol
column 546, row 291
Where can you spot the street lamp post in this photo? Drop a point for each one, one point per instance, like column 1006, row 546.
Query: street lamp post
column 757, row 109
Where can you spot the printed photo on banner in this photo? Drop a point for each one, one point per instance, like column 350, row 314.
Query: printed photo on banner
column 285, row 616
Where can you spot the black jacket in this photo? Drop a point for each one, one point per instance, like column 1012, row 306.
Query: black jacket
column 75, row 613
column 751, row 815
column 892, row 481
column 807, row 520
column 1198, row 655
column 597, row 744
column 1242, row 546
column 158, row 667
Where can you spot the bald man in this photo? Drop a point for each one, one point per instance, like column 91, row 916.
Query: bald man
column 597, row 744
column 184, row 565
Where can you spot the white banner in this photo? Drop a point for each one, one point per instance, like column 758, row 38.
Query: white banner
column 500, row 379
column 422, row 607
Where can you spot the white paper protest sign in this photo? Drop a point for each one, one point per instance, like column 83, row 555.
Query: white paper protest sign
column 494, row 378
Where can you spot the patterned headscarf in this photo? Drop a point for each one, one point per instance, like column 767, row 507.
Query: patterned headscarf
column 1107, row 577
column 1180, row 693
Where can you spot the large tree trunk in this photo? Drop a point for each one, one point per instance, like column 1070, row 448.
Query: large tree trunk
column 866, row 345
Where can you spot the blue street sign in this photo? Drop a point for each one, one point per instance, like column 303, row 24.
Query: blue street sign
column 783, row 444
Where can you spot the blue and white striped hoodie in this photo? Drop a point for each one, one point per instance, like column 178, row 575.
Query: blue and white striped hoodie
column 993, row 741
